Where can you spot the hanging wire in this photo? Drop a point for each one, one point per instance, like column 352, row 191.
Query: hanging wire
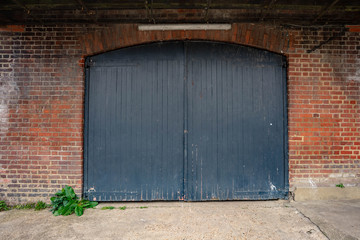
column 149, row 11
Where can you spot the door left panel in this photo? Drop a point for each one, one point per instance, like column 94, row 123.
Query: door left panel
column 134, row 124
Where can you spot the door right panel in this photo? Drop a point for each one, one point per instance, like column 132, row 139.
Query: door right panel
column 236, row 123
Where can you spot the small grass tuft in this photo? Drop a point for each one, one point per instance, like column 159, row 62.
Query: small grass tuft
column 37, row 206
column 122, row 208
column 107, row 207
column 143, row 207
column 24, row 206
column 340, row 185
column 40, row 205
column 4, row 206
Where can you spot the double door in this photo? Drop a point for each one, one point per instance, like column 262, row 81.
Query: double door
column 189, row 121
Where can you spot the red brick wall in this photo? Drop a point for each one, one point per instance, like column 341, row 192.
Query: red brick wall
column 42, row 88
column 324, row 108
column 41, row 112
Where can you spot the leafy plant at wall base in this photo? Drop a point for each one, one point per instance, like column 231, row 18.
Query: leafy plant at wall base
column 340, row 185
column 65, row 202
column 3, row 206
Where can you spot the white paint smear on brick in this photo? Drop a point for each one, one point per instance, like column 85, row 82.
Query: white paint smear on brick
column 357, row 74
column 8, row 91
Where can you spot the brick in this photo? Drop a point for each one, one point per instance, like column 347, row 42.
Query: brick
column 42, row 148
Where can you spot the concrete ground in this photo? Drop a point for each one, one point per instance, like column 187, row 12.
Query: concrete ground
column 165, row 220
column 183, row 220
column 338, row 219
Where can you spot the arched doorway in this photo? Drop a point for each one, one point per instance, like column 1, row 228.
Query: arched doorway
column 187, row 121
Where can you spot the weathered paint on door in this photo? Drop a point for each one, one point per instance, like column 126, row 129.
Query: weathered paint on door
column 135, row 124
column 185, row 120
column 236, row 123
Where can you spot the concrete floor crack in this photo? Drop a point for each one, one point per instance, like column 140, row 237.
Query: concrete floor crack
column 313, row 223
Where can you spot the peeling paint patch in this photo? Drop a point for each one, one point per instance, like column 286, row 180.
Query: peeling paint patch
column 272, row 187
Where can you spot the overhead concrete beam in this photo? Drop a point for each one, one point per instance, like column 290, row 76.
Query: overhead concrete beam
column 163, row 27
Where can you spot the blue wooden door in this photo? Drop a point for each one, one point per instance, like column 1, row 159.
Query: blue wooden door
column 134, row 124
column 236, row 123
column 186, row 121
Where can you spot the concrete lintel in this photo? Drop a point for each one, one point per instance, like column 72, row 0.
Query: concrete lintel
column 163, row 27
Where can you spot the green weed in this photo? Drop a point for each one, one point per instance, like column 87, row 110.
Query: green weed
column 24, row 206
column 107, row 207
column 66, row 202
column 4, row 206
column 37, row 206
column 40, row 205
column 340, row 185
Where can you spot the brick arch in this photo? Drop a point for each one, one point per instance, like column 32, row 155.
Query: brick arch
column 124, row 35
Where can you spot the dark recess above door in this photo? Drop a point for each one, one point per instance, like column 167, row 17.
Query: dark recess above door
column 293, row 12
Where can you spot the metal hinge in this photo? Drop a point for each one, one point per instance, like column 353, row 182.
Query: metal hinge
column 284, row 64
column 89, row 63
